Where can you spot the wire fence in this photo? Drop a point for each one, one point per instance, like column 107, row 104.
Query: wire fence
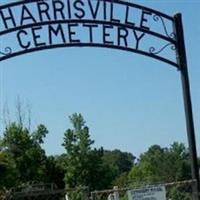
column 81, row 193
column 168, row 191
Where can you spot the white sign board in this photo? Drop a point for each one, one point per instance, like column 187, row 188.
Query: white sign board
column 150, row 193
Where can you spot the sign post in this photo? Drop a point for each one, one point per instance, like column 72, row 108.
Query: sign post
column 182, row 62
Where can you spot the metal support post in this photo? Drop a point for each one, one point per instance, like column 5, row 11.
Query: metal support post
column 182, row 62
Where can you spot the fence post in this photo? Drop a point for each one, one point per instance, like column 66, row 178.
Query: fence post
column 114, row 195
column 116, row 192
column 92, row 196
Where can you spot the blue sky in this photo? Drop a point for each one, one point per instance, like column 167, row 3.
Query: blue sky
column 129, row 101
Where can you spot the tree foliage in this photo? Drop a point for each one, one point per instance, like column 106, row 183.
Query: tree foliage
column 119, row 164
column 84, row 165
column 55, row 171
column 22, row 156
column 23, row 160
column 162, row 165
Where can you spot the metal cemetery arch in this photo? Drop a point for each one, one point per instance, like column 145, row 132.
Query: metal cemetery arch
column 63, row 20
column 10, row 24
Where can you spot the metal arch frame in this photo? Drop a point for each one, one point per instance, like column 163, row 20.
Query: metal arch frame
column 176, row 39
column 87, row 45
column 169, row 38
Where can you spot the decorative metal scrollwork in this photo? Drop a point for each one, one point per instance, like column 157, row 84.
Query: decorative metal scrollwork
column 171, row 36
column 7, row 51
column 152, row 50
column 156, row 18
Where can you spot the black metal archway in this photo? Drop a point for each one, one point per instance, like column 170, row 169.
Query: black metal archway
column 56, row 16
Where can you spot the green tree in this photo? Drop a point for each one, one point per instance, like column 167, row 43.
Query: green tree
column 163, row 165
column 84, row 165
column 7, row 171
column 23, row 149
column 150, row 168
column 119, row 163
column 55, row 171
